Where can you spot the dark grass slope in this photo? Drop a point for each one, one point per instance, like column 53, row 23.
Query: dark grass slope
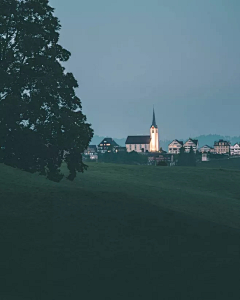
column 231, row 163
column 121, row 232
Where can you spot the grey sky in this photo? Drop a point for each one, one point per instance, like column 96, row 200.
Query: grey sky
column 183, row 56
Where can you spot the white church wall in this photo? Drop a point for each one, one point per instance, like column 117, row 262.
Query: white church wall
column 154, row 144
column 137, row 147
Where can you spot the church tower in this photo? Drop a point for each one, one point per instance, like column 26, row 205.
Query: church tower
column 154, row 142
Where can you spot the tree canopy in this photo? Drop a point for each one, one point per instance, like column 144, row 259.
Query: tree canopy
column 186, row 159
column 41, row 119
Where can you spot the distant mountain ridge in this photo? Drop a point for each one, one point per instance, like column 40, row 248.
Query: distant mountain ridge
column 202, row 140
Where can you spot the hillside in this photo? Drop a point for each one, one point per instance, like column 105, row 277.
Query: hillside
column 121, row 232
column 231, row 163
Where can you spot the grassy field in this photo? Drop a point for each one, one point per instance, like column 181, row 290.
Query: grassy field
column 231, row 163
column 122, row 232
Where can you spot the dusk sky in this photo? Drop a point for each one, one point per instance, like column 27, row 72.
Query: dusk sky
column 182, row 56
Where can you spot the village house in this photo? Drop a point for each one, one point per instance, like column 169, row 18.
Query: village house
column 175, row 146
column 191, row 143
column 107, row 145
column 222, row 147
column 91, row 151
column 206, row 149
column 235, row 149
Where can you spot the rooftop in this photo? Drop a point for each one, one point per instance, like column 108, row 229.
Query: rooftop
column 138, row 139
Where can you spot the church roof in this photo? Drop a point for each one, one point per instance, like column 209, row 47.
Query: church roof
column 138, row 139
column 154, row 120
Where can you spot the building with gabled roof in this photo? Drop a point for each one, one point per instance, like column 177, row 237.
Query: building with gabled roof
column 107, row 145
column 91, row 152
column 235, row 149
column 138, row 143
column 191, row 143
column 144, row 143
column 91, row 149
column 175, row 146
column 222, row 147
column 206, row 149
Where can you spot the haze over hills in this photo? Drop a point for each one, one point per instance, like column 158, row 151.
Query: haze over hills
column 202, row 139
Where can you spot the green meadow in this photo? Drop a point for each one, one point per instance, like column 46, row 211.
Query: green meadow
column 122, row 232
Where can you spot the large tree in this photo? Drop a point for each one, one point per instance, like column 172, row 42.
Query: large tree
column 41, row 119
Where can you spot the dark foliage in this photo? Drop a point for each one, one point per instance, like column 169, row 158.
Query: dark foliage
column 187, row 159
column 162, row 164
column 131, row 158
column 218, row 156
column 41, row 119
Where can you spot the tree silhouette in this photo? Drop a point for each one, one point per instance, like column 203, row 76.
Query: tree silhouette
column 41, row 119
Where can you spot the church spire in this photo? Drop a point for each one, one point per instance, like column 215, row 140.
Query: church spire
column 154, row 120
column 154, row 139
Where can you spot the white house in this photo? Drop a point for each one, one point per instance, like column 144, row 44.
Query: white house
column 175, row 146
column 235, row 149
column 191, row 143
column 144, row 143
column 206, row 149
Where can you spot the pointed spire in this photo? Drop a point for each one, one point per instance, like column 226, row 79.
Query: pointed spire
column 154, row 119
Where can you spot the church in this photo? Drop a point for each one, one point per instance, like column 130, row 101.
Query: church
column 144, row 143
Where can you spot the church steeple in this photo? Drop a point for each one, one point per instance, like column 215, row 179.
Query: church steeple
column 154, row 120
column 154, row 139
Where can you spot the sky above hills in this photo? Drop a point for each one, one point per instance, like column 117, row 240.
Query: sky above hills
column 183, row 57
